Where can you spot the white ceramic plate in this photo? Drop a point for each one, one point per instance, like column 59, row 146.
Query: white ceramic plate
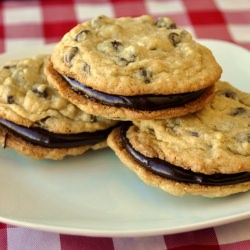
column 94, row 194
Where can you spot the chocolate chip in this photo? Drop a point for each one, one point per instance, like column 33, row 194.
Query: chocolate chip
column 194, row 133
column 10, row 99
column 93, row 118
column 82, row 35
column 121, row 61
column 238, row 111
column 243, row 137
column 165, row 22
column 174, row 38
column 40, row 93
column 9, row 67
column 151, row 131
column 116, row 45
column 131, row 58
column 146, row 75
column 230, row 94
column 86, row 68
column 44, row 119
column 69, row 55
column 172, row 26
column 41, row 123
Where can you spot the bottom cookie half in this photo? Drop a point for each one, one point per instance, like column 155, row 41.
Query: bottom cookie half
column 9, row 140
column 171, row 186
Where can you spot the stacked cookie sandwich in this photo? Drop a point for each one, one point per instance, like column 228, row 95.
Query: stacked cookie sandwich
column 204, row 153
column 37, row 122
column 133, row 68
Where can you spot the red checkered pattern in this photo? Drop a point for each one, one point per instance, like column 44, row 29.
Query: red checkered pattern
column 27, row 23
column 24, row 23
column 228, row 237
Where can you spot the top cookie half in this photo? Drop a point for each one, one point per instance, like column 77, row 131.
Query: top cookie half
column 135, row 56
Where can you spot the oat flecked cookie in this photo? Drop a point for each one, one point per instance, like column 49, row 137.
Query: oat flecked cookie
column 37, row 122
column 205, row 153
column 133, row 68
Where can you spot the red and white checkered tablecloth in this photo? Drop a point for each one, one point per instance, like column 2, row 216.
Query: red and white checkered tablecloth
column 27, row 23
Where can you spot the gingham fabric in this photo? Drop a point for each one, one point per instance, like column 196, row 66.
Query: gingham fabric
column 29, row 23
column 234, row 236
column 25, row 23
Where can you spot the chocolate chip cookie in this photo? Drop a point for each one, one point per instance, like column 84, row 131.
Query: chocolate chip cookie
column 205, row 153
column 36, row 121
column 133, row 68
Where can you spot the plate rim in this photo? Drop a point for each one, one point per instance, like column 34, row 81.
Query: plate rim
column 126, row 233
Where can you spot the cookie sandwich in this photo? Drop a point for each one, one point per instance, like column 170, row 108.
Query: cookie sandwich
column 206, row 153
column 37, row 122
column 133, row 68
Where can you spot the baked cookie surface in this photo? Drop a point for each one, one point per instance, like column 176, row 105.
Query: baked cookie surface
column 27, row 99
column 30, row 106
column 135, row 56
column 211, row 146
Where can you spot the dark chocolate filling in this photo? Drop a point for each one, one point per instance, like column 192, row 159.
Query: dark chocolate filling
column 143, row 102
column 44, row 138
column 167, row 170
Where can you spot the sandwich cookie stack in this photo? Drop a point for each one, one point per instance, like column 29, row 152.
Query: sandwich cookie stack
column 204, row 153
column 133, row 68
column 37, row 122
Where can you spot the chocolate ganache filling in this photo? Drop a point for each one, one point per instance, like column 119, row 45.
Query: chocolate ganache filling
column 167, row 170
column 139, row 102
column 44, row 138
